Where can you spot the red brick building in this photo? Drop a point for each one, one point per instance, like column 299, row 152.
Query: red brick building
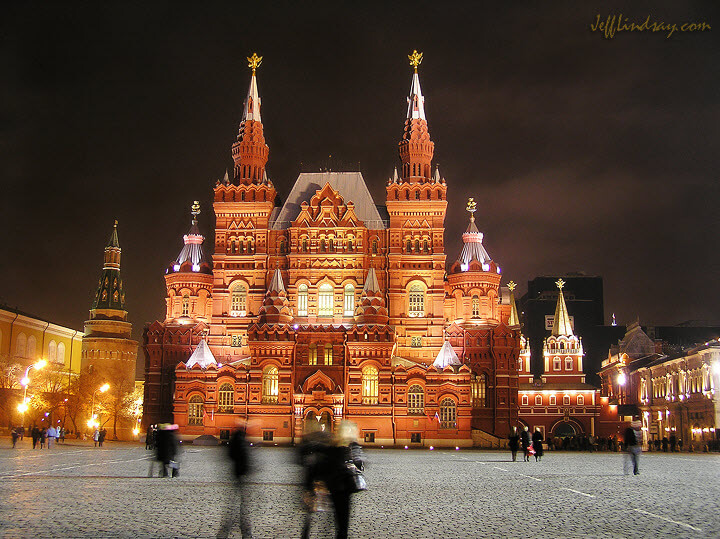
column 330, row 306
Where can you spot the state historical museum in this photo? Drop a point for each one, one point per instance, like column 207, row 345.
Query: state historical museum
column 332, row 307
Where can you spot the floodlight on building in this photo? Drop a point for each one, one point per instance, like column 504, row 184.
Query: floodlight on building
column 621, row 379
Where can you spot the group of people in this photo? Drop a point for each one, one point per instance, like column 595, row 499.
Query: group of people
column 333, row 465
column 99, row 436
column 41, row 437
column 531, row 446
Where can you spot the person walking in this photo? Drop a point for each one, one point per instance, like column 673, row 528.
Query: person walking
column 238, row 496
column 15, row 435
column 150, row 437
column 43, row 437
column 633, row 447
column 101, row 436
column 344, row 462
column 166, row 449
column 96, row 436
column 313, row 458
column 35, row 434
column 514, row 443
column 525, row 443
column 537, row 440
column 51, row 434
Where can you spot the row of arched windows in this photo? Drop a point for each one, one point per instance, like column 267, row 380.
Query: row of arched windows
column 552, row 400
column 26, row 346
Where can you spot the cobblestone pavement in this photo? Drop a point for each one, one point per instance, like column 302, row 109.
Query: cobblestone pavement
column 77, row 490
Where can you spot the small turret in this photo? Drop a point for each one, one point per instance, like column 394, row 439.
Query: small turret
column 371, row 309
column 275, row 308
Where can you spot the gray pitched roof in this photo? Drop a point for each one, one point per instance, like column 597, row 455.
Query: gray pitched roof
column 351, row 187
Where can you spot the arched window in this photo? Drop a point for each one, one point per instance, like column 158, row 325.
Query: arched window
column 416, row 400
column 448, row 414
column 408, row 246
column 302, row 300
column 557, row 364
column 370, row 385
column 21, row 345
column 226, row 395
column 374, row 247
column 304, row 245
column 566, row 400
column 195, row 410
column 580, row 400
column 479, row 391
column 524, row 400
column 331, row 244
column 238, row 300
column 538, row 400
column 61, row 353
column 350, row 243
column 325, row 300
column 52, row 351
column 31, row 347
column 185, row 305
column 312, row 354
column 322, row 245
column 270, row 390
column 328, row 354
column 553, row 400
column 416, row 300
column 283, row 248
column 475, row 306
column 349, row 300
column 425, row 246
column 568, row 364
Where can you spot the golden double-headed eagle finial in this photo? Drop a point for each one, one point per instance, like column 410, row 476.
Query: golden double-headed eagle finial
column 415, row 59
column 254, row 62
column 512, row 286
column 471, row 205
column 195, row 208
column 560, row 283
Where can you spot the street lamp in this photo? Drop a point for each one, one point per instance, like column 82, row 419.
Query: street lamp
column 102, row 389
column 22, row 407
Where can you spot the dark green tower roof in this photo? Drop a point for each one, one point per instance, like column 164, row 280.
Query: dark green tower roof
column 110, row 294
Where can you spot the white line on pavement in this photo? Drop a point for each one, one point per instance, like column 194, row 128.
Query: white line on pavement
column 531, row 477
column 669, row 520
column 40, row 472
column 578, row 492
column 498, row 468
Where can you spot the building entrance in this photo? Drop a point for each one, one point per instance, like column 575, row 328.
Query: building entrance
column 324, row 419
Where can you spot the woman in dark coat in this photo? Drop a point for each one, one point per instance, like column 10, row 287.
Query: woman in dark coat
column 514, row 443
column 339, row 480
column 525, row 443
column 537, row 438
column 166, row 448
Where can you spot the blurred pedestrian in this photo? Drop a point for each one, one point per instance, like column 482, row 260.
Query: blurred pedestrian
column 525, row 443
column 15, row 435
column 150, row 437
column 101, row 436
column 43, row 437
column 313, row 458
column 633, row 447
column 166, row 450
column 673, row 442
column 35, row 434
column 96, row 436
column 665, row 444
column 514, row 443
column 236, row 511
column 51, row 435
column 537, row 440
column 345, row 464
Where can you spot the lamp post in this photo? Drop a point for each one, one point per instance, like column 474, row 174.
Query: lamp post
column 22, row 407
column 102, row 389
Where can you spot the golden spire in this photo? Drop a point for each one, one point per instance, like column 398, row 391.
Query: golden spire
column 560, row 283
column 415, row 59
column 254, row 62
column 514, row 319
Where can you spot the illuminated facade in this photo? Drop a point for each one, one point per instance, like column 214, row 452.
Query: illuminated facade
column 332, row 307
column 559, row 402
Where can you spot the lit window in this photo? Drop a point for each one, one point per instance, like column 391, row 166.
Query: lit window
column 416, row 400
column 416, row 300
column 302, row 300
column 448, row 414
column 568, row 364
column 557, row 364
column 566, row 400
column 270, row 384
column 370, row 385
column 553, row 400
column 349, row 300
column 325, row 300
column 225, row 398
column 185, row 305
column 524, row 400
column 238, row 300
column 538, row 400
column 328, row 354
column 580, row 400
column 52, row 352
column 195, row 410
column 479, row 389
column 475, row 306
column 312, row 354
column 61, row 353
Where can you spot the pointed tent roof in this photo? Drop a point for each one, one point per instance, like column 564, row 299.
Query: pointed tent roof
column 192, row 251
column 201, row 356
column 113, row 241
column 371, row 282
column 276, row 284
column 472, row 245
column 514, row 319
column 561, row 323
column 252, row 102
column 416, row 101
column 446, row 356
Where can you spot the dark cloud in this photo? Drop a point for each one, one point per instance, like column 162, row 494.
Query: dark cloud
column 584, row 153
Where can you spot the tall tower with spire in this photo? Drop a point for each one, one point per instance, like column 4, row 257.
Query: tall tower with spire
column 416, row 203
column 563, row 350
column 108, row 350
column 245, row 251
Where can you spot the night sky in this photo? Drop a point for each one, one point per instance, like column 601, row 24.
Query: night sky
column 584, row 153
